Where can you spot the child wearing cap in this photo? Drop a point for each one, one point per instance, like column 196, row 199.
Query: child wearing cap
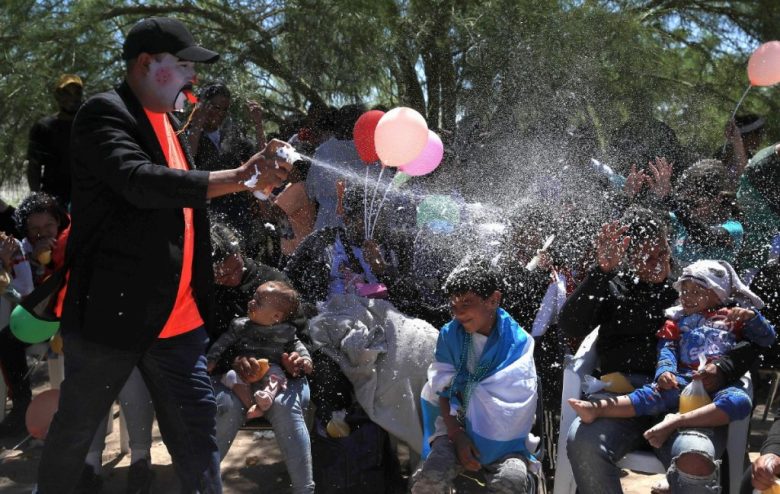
column 716, row 311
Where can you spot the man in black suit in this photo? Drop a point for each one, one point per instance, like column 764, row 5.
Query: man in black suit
column 140, row 262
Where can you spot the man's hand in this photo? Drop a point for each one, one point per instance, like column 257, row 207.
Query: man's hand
column 249, row 369
column 667, row 380
column 467, row 452
column 270, row 170
column 710, row 377
column 764, row 471
column 295, row 365
column 611, row 245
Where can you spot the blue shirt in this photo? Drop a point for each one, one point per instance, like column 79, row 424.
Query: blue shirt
column 686, row 251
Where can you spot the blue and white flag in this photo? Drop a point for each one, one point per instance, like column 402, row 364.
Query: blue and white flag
column 501, row 401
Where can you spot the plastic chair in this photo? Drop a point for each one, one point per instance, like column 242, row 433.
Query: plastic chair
column 583, row 364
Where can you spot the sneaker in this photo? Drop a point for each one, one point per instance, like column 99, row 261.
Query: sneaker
column 90, row 482
column 139, row 478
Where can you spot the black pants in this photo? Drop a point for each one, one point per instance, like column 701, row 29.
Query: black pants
column 14, row 362
column 174, row 370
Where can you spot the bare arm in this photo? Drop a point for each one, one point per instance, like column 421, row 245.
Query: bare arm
column 256, row 114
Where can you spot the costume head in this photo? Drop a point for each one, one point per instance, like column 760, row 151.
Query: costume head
column 171, row 72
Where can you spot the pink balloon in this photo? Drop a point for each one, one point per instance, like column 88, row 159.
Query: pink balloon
column 428, row 160
column 764, row 65
column 40, row 412
column 400, row 136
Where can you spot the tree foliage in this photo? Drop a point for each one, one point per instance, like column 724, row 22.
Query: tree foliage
column 499, row 66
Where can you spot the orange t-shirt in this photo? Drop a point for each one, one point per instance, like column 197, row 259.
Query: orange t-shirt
column 185, row 316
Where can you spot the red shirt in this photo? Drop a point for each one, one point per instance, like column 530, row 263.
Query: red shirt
column 185, row 316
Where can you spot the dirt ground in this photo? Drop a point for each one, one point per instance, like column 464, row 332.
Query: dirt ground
column 254, row 463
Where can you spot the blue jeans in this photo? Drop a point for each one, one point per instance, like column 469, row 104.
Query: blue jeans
column 138, row 410
column 594, row 449
column 174, row 370
column 286, row 417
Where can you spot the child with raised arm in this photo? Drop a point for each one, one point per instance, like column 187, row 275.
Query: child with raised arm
column 265, row 334
column 707, row 322
column 480, row 398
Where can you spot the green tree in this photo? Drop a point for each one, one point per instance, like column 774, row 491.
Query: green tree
column 503, row 66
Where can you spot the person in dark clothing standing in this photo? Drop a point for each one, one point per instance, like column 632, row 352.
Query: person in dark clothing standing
column 139, row 253
column 625, row 295
column 48, row 150
column 216, row 144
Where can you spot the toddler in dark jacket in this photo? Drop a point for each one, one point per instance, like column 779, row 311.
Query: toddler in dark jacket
column 267, row 335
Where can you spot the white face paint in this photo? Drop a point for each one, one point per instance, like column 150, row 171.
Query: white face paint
column 169, row 76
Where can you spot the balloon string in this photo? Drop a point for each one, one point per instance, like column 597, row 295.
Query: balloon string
column 365, row 205
column 416, row 237
column 371, row 210
column 379, row 209
column 734, row 113
column 18, row 445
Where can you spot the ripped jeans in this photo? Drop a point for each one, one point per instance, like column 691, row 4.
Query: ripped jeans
column 594, row 449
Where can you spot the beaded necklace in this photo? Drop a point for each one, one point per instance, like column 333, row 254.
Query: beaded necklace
column 472, row 379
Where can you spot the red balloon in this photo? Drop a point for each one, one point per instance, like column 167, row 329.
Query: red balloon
column 40, row 412
column 364, row 135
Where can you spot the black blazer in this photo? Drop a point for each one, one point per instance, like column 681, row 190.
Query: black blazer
column 127, row 236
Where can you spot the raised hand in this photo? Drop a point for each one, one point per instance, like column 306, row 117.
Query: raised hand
column 661, row 180
column 635, row 181
column 255, row 111
column 611, row 246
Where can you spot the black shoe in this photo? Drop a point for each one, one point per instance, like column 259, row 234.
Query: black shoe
column 139, row 478
column 13, row 424
column 90, row 482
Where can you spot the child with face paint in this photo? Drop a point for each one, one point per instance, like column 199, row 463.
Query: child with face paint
column 139, row 220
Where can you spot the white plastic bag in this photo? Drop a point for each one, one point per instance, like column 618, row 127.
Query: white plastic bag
column 694, row 395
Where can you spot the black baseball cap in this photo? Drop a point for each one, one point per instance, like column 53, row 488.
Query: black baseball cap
column 165, row 35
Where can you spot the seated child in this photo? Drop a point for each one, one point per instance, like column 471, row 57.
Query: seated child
column 480, row 398
column 707, row 322
column 265, row 334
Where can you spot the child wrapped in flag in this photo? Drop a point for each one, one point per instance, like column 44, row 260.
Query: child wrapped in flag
column 480, row 398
